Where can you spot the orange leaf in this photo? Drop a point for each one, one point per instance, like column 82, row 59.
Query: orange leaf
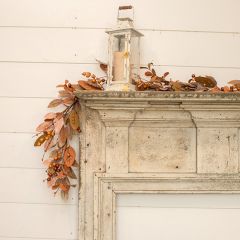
column 43, row 126
column 58, row 125
column 64, row 93
column 49, row 116
column 86, row 86
column 69, row 156
column 64, row 187
column 68, row 100
column 62, row 136
column 233, row 82
column 74, row 120
column 69, row 172
column 40, row 140
column 226, row 89
column 54, row 103
column 148, row 74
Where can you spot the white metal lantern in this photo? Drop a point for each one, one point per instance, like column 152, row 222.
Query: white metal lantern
column 124, row 54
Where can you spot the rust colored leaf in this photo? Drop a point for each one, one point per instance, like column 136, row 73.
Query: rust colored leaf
column 62, row 136
column 215, row 89
column 176, row 86
column 69, row 172
column 69, row 156
column 64, row 187
column 68, row 100
column 74, row 120
column 54, row 103
column 148, row 74
column 49, row 116
column 165, row 74
column 207, row 81
column 43, row 126
column 226, row 89
column 77, row 107
column 86, row 86
column 234, row 82
column 58, row 124
column 56, row 186
column 40, row 140
column 103, row 66
column 64, row 93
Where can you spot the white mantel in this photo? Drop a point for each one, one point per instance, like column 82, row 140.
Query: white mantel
column 153, row 142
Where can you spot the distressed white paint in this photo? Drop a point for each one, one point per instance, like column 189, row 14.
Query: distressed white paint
column 155, row 142
column 42, row 31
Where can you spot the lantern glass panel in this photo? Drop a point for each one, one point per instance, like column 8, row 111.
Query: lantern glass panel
column 134, row 56
column 119, row 60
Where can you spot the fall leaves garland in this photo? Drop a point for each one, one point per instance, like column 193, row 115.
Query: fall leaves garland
column 57, row 129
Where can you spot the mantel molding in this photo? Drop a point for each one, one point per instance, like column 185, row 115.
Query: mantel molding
column 156, row 96
column 159, row 142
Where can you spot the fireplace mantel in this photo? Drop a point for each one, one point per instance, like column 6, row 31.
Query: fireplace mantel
column 152, row 142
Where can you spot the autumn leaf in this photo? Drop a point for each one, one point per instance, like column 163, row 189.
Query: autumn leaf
column 62, row 136
column 58, row 125
column 64, row 93
column 226, row 89
column 40, row 140
column 103, row 66
column 68, row 100
column 69, row 156
column 64, row 187
column 69, row 172
column 54, row 103
column 74, row 120
column 234, row 82
column 43, row 126
column 86, row 86
column 49, row 116
column 176, row 86
column 77, row 107
column 207, row 81
column 148, row 74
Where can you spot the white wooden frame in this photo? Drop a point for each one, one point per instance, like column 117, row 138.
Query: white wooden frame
column 207, row 126
column 106, row 188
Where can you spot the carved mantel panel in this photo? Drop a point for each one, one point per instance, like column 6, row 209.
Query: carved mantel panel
column 146, row 141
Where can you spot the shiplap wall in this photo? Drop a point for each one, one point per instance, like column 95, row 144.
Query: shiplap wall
column 42, row 43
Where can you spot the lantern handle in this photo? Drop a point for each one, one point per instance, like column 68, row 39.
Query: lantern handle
column 126, row 8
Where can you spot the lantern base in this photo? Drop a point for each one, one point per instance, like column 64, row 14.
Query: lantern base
column 120, row 87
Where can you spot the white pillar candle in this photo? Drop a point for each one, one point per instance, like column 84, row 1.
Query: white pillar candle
column 118, row 66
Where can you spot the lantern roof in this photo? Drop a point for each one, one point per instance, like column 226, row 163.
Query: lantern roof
column 125, row 25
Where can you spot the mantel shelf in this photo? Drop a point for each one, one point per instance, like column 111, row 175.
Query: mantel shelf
column 154, row 96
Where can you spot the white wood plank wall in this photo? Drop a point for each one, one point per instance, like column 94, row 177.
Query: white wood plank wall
column 42, row 43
